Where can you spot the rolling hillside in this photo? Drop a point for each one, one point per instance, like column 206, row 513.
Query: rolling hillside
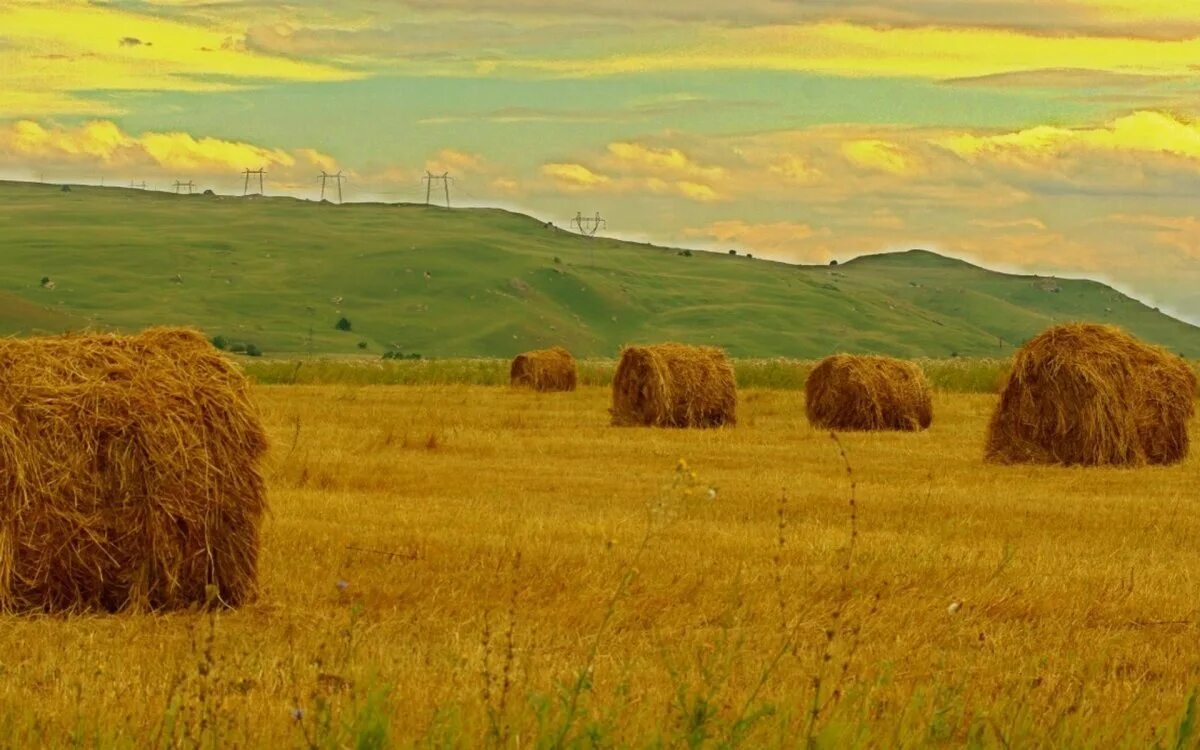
column 280, row 273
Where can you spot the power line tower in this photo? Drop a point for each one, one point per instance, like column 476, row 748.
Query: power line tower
column 261, row 173
column 137, row 185
column 326, row 176
column 187, row 185
column 589, row 225
column 431, row 178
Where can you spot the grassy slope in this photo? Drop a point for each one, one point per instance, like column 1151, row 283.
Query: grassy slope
column 486, row 283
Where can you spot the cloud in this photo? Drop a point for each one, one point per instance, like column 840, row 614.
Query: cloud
column 852, row 49
column 882, row 156
column 659, row 161
column 455, row 161
column 574, row 176
column 1140, row 132
column 55, row 54
column 1063, row 78
column 1149, row 18
column 101, row 144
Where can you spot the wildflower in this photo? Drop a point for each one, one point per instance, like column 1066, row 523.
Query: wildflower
column 712, row 493
column 954, row 607
column 682, row 466
column 342, row 585
column 297, row 714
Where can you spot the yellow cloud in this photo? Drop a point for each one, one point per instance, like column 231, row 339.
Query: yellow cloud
column 52, row 52
column 506, row 186
column 574, row 176
column 860, row 50
column 662, row 160
column 880, row 156
column 795, row 169
column 697, row 191
column 102, row 144
column 452, row 160
column 1152, row 132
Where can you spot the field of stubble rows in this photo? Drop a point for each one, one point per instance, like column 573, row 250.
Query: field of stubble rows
column 469, row 565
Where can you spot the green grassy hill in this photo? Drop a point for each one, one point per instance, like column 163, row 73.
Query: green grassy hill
column 279, row 273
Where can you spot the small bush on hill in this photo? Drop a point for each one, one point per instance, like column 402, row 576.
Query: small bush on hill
column 343, row 324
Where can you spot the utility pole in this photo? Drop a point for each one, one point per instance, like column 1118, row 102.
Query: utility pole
column 187, row 185
column 246, row 188
column 589, row 225
column 431, row 178
column 326, row 176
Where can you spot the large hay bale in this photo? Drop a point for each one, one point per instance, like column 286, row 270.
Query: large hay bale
column 129, row 474
column 1084, row 394
column 673, row 385
column 849, row 392
column 544, row 370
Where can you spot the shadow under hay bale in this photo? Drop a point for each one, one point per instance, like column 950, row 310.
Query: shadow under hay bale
column 544, row 370
column 673, row 385
column 1084, row 394
column 848, row 392
column 129, row 475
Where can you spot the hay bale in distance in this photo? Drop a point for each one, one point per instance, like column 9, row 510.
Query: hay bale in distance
column 1085, row 394
column 544, row 370
column 674, row 385
column 867, row 393
column 129, row 475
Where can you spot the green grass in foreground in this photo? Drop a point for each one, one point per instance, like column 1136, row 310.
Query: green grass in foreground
column 950, row 375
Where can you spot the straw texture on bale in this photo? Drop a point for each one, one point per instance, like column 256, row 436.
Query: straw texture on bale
column 544, row 370
column 673, row 385
column 129, row 474
column 864, row 393
column 1084, row 394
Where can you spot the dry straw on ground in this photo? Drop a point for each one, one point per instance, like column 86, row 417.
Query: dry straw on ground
column 544, row 370
column 128, row 474
column 848, row 392
column 1086, row 394
column 673, row 385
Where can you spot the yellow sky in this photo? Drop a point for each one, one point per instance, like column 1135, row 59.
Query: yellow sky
column 798, row 129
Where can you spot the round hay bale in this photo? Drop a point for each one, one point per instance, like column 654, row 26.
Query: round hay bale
column 544, row 370
column 1090, row 395
column 863, row 393
column 673, row 385
column 129, row 474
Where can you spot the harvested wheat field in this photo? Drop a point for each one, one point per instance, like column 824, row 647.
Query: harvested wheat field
column 458, row 566
column 1085, row 394
column 850, row 392
column 129, row 474
column 545, row 370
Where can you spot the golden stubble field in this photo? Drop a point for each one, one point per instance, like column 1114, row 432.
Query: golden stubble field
column 466, row 565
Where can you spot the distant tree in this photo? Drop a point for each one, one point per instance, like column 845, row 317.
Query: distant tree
column 363, row 345
column 220, row 342
column 733, row 252
column 343, row 324
column 252, row 350
column 833, row 262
